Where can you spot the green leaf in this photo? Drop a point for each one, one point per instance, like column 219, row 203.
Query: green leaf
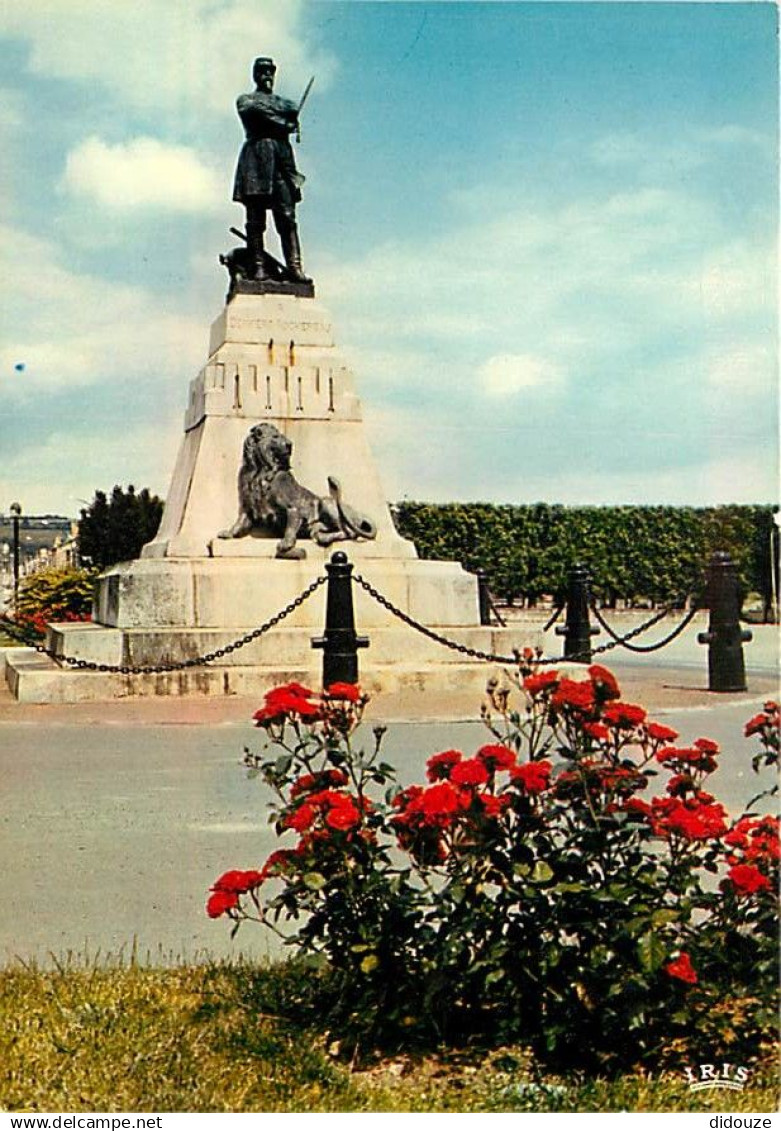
column 541, row 873
column 664, row 915
column 283, row 764
column 651, row 951
column 315, row 961
column 314, row 880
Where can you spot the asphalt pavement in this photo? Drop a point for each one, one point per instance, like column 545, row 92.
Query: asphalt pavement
column 117, row 817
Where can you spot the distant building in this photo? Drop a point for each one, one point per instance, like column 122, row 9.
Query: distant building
column 65, row 552
column 39, row 535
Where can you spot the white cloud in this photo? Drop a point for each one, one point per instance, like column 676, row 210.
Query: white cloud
column 74, row 330
column 626, row 152
column 142, row 173
column 742, row 370
column 11, row 109
column 506, row 374
column 739, row 477
column 170, row 57
column 574, row 284
column 57, row 474
column 502, row 469
column 653, row 159
column 736, row 278
column 739, row 136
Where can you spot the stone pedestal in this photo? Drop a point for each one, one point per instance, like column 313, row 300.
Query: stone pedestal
column 272, row 358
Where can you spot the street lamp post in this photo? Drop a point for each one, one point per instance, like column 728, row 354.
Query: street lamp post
column 16, row 511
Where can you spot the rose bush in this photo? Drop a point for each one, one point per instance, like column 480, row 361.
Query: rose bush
column 572, row 883
column 54, row 594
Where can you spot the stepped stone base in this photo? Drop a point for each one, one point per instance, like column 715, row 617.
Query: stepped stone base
column 398, row 659
column 242, row 593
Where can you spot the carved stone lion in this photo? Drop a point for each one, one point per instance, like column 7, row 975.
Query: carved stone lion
column 271, row 499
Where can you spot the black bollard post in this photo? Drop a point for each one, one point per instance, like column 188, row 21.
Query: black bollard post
column 483, row 597
column 725, row 638
column 339, row 642
column 577, row 630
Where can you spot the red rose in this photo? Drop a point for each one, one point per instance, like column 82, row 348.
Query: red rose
column 605, row 682
column 349, row 691
column 301, row 818
column 624, row 715
column 688, row 758
column 493, row 806
column 439, row 766
column 755, row 725
column 293, row 688
column 220, row 902
column 267, row 715
column 682, row 969
column 469, row 772
column 533, row 777
column 236, row 882
column 292, row 699
column 279, row 859
column 698, row 822
column 706, row 745
column 308, row 782
column 660, row 733
column 441, row 800
column 495, row 757
column 747, row 879
column 541, row 681
column 680, row 784
column 343, row 816
column 738, row 836
column 574, row 695
column 408, row 796
column 596, row 731
column 636, row 807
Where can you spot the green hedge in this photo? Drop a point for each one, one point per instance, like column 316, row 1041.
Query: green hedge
column 635, row 553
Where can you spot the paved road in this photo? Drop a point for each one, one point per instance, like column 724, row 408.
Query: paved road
column 115, row 831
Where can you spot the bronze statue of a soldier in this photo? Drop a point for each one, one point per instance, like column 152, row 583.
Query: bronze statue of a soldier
column 266, row 174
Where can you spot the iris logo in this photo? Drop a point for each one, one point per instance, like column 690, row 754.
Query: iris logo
column 705, row 1076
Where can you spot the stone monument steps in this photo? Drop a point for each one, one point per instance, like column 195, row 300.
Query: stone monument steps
column 34, row 678
column 283, row 647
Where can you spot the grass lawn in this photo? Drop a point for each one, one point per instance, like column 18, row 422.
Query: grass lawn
column 212, row 1038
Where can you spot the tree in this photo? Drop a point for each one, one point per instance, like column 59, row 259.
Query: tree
column 115, row 530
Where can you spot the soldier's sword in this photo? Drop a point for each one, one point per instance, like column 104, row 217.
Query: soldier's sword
column 304, row 97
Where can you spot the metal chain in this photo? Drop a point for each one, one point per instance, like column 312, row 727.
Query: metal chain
column 491, row 657
column 688, row 618
column 182, row 665
column 553, row 618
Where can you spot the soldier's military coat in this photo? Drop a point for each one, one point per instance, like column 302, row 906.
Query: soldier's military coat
column 266, row 164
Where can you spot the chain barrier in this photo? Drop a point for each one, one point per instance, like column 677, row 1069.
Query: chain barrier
column 688, row 618
column 476, row 654
column 12, row 629
column 182, row 665
column 553, row 618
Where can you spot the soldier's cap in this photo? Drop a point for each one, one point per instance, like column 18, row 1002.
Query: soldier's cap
column 263, row 63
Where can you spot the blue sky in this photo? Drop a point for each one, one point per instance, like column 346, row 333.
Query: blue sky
column 545, row 232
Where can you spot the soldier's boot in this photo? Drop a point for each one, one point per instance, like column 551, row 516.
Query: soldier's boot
column 291, row 249
column 255, row 234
